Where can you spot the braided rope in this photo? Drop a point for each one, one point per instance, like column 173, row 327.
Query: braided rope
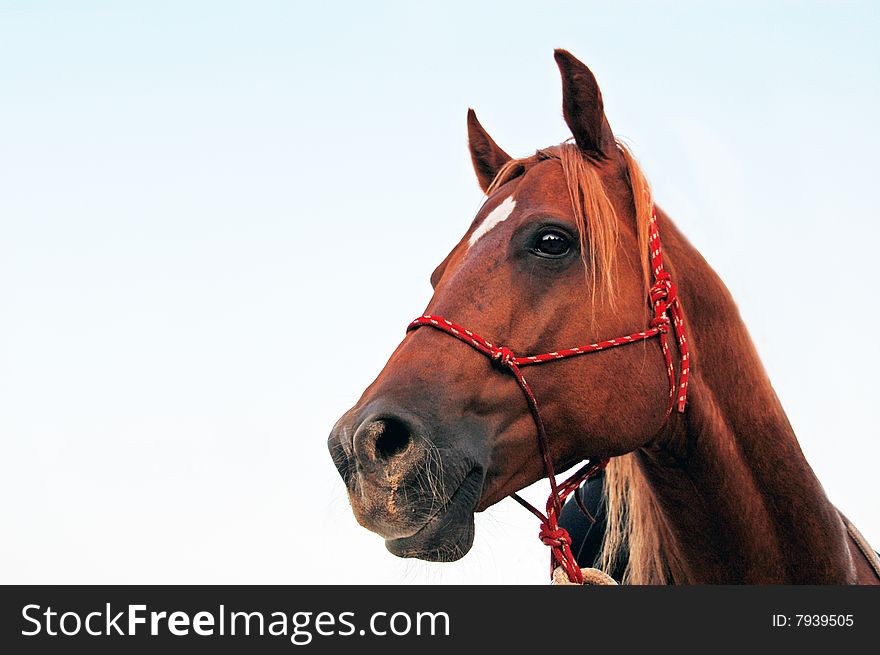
column 668, row 317
column 590, row 576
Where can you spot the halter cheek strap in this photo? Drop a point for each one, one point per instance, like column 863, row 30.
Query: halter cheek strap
column 667, row 317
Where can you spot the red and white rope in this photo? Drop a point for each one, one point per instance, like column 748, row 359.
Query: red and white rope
column 667, row 316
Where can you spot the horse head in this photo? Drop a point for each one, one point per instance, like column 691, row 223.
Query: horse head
column 557, row 255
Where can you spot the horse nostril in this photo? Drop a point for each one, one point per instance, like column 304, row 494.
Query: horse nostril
column 380, row 440
column 392, row 439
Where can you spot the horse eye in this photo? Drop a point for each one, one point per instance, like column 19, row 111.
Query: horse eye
column 552, row 243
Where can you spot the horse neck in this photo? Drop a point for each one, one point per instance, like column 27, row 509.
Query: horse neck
column 740, row 501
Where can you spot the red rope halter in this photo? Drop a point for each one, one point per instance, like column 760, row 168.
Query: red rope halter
column 667, row 312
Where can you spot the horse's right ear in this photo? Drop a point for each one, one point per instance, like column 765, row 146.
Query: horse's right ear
column 488, row 158
column 582, row 106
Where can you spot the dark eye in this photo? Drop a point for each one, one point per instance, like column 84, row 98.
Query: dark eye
column 552, row 243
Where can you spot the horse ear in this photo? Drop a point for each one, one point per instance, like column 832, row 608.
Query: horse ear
column 488, row 158
column 582, row 106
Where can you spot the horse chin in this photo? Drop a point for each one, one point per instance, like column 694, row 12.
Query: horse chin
column 451, row 543
column 449, row 534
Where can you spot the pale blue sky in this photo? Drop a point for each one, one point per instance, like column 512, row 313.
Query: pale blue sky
column 194, row 198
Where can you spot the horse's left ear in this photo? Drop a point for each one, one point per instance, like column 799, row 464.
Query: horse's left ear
column 582, row 106
column 488, row 158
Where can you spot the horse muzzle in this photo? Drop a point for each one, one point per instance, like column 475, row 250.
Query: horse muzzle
column 419, row 497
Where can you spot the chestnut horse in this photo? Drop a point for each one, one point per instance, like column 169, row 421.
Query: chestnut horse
column 558, row 256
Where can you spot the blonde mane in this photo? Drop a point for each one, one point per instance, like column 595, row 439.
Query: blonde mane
column 635, row 526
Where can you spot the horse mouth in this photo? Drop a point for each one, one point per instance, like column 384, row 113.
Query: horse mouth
column 448, row 534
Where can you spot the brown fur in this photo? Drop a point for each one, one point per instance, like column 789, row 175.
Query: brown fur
column 634, row 522
column 589, row 198
column 720, row 494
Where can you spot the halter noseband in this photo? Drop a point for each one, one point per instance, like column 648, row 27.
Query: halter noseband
column 667, row 312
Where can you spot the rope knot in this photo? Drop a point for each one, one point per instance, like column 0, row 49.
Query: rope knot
column 503, row 356
column 554, row 537
column 661, row 323
column 663, row 289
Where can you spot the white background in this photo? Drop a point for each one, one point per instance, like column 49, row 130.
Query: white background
column 196, row 201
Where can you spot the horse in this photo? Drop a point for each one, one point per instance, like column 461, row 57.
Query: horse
column 711, row 488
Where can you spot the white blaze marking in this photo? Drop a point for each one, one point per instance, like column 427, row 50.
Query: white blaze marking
column 498, row 215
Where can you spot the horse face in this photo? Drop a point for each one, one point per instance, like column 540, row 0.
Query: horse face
column 441, row 432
